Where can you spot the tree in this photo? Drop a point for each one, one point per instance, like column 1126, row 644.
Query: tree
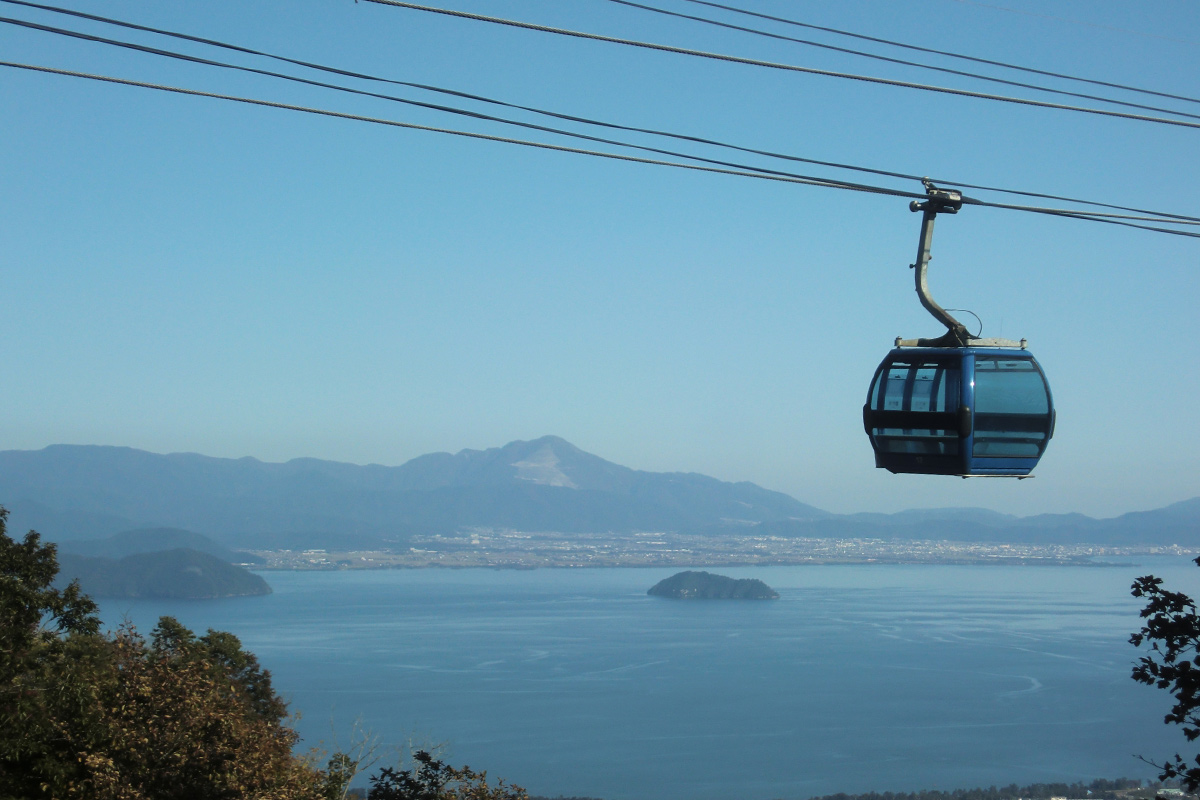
column 45, row 635
column 1172, row 630
column 433, row 779
column 108, row 716
column 181, row 726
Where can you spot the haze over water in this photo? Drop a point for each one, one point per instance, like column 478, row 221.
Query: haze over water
column 858, row 678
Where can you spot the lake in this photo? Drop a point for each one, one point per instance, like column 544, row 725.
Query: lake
column 859, row 678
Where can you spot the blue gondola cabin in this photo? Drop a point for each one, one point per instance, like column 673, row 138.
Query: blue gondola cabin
column 967, row 411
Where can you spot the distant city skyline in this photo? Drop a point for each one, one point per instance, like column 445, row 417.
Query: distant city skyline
column 184, row 274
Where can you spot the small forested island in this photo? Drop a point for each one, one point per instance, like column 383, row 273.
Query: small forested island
column 706, row 586
column 180, row 574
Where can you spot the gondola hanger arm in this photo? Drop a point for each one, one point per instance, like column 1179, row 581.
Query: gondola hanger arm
column 939, row 201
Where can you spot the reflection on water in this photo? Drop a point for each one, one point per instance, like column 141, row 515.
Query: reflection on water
column 858, row 678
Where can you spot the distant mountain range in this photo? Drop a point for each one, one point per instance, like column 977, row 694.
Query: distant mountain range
column 153, row 540
column 72, row 492
column 1176, row 524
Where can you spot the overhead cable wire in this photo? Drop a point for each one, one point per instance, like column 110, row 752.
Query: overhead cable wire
column 733, row 9
column 1072, row 214
column 829, row 184
column 947, row 53
column 832, row 184
column 584, row 120
column 1181, row 218
column 903, row 62
column 416, row 103
column 1146, row 216
column 476, row 115
column 200, row 40
column 665, row 48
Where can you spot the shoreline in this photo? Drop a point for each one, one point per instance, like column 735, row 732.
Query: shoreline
column 523, row 551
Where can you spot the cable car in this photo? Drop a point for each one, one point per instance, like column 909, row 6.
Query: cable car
column 958, row 404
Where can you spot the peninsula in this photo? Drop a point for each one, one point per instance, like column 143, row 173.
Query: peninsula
column 179, row 574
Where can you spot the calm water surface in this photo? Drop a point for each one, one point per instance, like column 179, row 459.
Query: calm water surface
column 858, row 678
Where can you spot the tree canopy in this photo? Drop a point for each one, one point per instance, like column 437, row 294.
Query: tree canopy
column 433, row 779
column 1172, row 631
column 110, row 715
column 114, row 716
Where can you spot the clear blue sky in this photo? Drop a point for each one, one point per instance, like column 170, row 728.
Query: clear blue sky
column 184, row 274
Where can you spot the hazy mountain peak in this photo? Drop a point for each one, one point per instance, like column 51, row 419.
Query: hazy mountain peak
column 541, row 466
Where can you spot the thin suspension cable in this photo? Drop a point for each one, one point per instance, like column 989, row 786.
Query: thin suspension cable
column 947, row 53
column 586, row 120
column 1154, row 217
column 1070, row 214
column 1181, row 218
column 947, row 70
column 733, row 9
column 775, row 65
column 200, row 40
column 830, row 184
column 1141, row 215
column 1078, row 212
column 416, row 103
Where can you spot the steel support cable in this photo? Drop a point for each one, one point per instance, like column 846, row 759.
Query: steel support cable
column 1165, row 216
column 829, row 184
column 947, row 70
column 666, row 48
column 439, row 90
column 585, row 120
column 417, row 103
column 1081, row 212
column 863, row 37
column 202, row 40
column 1072, row 214
column 490, row 118
column 1148, row 216
column 1152, row 217
column 946, row 53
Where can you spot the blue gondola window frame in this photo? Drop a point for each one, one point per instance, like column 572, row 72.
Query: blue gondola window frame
column 1012, row 419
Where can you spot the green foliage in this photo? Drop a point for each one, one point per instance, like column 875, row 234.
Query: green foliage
column 45, row 637
column 1172, row 629
column 340, row 770
column 181, row 717
column 28, row 599
column 433, row 779
column 181, row 726
column 110, row 716
column 222, row 654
